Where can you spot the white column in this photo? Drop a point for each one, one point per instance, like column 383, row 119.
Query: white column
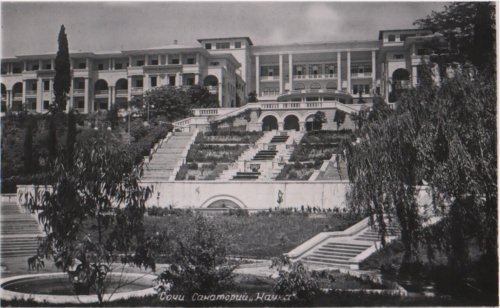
column 146, row 60
column 257, row 75
column 53, row 64
column 24, row 92
column 196, row 79
column 86, row 108
column 339, row 71
column 25, row 66
column 374, row 71
column 414, row 76
column 39, row 95
column 71, row 94
column 146, row 83
column 178, row 79
column 349, row 72
column 51, row 87
column 8, row 99
column 281, row 73
column 290, row 71
column 129, row 88
column 129, row 61
column 221, row 103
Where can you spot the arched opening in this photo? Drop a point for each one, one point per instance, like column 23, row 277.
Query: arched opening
column 313, row 123
column 4, row 98
column 315, row 86
column 17, row 95
column 400, row 81
column 101, row 94
column 211, row 81
column 223, row 204
column 121, row 89
column 291, row 122
column 121, row 84
column 269, row 123
column 299, row 86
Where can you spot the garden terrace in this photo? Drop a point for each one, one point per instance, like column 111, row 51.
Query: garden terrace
column 202, row 153
column 228, row 137
column 262, row 235
column 298, row 171
column 201, row 171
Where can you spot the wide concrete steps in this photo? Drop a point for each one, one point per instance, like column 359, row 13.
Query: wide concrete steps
column 164, row 161
column 349, row 250
column 19, row 232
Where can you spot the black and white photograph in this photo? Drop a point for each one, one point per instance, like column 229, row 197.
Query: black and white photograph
column 248, row 154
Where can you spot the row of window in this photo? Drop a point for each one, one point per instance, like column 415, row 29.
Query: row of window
column 223, row 45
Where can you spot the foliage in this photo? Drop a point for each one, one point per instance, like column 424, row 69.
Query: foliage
column 70, row 139
column 52, row 139
column 175, row 102
column 252, row 97
column 339, row 118
column 90, row 213
column 215, row 153
column 28, row 147
column 228, row 137
column 62, row 78
column 444, row 136
column 469, row 29
column 200, row 263
column 295, row 279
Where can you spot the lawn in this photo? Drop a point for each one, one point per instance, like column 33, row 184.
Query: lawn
column 260, row 236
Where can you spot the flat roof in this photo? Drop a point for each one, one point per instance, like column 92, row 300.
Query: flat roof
column 227, row 38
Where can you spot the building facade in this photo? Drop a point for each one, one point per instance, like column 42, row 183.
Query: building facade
column 229, row 67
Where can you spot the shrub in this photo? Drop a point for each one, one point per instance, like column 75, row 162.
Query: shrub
column 193, row 166
column 199, row 261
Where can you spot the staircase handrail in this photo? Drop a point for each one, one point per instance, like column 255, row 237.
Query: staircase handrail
column 235, row 112
column 182, row 160
column 321, row 237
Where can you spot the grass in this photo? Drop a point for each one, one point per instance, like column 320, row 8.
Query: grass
column 257, row 236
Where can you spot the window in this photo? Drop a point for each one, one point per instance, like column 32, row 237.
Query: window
column 35, row 67
column 422, row 51
column 237, row 44
column 190, row 81
column 46, row 104
column 191, row 61
column 171, row 80
column 154, row 61
column 391, row 38
column 118, row 66
column 100, row 67
column 270, row 72
column 81, row 85
column 16, row 70
column 140, row 62
column 398, row 56
column 82, row 65
column 48, row 66
column 208, row 45
column 80, row 104
column 223, row 45
column 331, row 70
column 33, row 86
column 214, row 63
column 153, row 81
column 46, row 85
column 139, row 83
column 175, row 61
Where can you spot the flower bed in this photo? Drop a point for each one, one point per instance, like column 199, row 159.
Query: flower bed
column 298, row 171
column 215, row 153
column 326, row 136
column 200, row 172
column 228, row 137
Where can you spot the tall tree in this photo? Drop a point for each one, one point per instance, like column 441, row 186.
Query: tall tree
column 339, row 118
column 92, row 214
column 70, row 139
column 52, row 138
column 28, row 146
column 469, row 29
column 62, row 78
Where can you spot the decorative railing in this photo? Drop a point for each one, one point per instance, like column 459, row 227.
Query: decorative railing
column 31, row 93
column 101, row 92
column 78, row 91
column 121, row 92
column 18, row 95
column 136, row 90
column 358, row 75
column 315, row 76
column 266, row 78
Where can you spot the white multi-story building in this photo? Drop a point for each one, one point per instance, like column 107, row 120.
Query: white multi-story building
column 349, row 72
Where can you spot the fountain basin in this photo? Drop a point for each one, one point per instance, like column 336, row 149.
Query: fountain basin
column 55, row 288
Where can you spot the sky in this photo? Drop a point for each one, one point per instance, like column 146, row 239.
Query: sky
column 32, row 27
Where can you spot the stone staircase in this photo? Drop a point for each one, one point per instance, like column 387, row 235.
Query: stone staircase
column 19, row 231
column 334, row 171
column 165, row 162
column 246, row 176
column 344, row 249
column 265, row 155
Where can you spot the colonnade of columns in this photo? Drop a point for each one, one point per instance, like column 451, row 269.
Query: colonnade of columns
column 290, row 71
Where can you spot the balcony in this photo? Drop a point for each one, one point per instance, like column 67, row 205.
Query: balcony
column 18, row 96
column 78, row 92
column 314, row 76
column 121, row 93
column 81, row 73
column 101, row 93
column 361, row 75
column 31, row 93
column 136, row 90
column 269, row 78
